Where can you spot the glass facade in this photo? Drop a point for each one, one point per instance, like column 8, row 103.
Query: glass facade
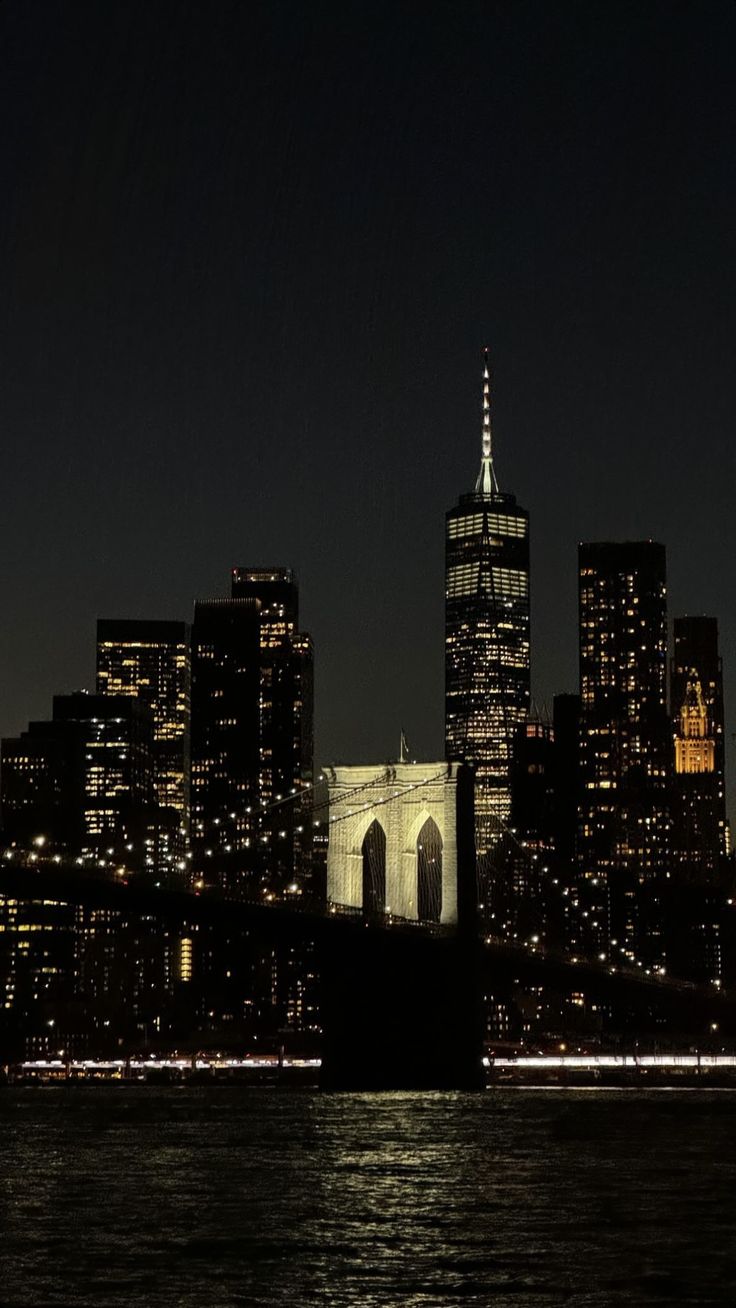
column 486, row 645
column 150, row 661
column 83, row 782
column 252, row 740
column 624, row 817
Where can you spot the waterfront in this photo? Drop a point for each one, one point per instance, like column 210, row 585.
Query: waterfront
column 191, row 1196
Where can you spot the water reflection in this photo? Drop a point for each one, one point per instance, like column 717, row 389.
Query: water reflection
column 186, row 1196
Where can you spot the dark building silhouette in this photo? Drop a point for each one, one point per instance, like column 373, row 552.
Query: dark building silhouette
column 252, row 742
column 225, row 727
column 276, row 591
column 624, row 820
column 38, row 941
column 531, row 853
column 566, row 727
column 150, row 661
column 486, row 635
column 700, row 831
column 77, row 787
column 79, row 981
column 41, row 780
column 83, row 782
column 532, row 782
column 563, row 919
column 697, row 931
column 286, row 681
column 544, row 817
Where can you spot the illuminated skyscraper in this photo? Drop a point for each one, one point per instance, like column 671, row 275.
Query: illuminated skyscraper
column 486, row 633
column 530, row 854
column 225, row 726
column 701, row 836
column 83, row 781
column 149, row 661
column 624, row 830
column 286, row 689
column 251, row 730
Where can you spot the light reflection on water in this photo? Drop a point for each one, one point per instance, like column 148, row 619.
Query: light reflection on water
column 179, row 1196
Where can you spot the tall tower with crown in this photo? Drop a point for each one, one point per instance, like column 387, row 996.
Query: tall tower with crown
column 486, row 633
column 701, row 831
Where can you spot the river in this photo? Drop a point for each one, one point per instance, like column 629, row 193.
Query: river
column 191, row 1196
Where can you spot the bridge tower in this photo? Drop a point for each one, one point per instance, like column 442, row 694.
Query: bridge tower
column 401, row 1004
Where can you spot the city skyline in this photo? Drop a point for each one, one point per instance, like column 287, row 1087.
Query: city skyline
column 269, row 375
column 353, row 799
column 239, row 585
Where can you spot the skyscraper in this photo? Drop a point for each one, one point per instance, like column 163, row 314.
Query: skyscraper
column 566, row 721
column 225, row 726
column 532, row 820
column 486, row 633
column 700, row 835
column 150, row 661
column 82, row 782
column 251, row 730
column 624, row 828
column 286, row 680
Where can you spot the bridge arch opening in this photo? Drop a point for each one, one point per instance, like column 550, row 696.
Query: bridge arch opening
column 374, row 869
column 429, row 872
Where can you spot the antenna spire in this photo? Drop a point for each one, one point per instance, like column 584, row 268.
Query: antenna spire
column 486, row 483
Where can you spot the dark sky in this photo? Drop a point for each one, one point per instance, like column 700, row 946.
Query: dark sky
column 250, row 253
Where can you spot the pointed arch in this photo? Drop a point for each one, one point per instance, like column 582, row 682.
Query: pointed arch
column 373, row 850
column 429, row 872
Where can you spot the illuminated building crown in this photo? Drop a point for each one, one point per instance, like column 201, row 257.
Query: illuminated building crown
column 486, row 483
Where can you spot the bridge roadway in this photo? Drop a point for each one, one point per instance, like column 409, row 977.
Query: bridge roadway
column 384, row 975
column 301, row 918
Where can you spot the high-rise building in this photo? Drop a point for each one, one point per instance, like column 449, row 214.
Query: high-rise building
column 76, row 786
column 566, row 722
column 532, row 821
column 563, row 920
column 225, row 727
column 700, row 834
column 624, row 820
column 41, row 787
column 286, row 680
column 537, row 866
column 532, row 782
column 150, row 661
column 486, row 634
column 251, row 732
column 117, row 769
column 37, row 969
column 82, row 782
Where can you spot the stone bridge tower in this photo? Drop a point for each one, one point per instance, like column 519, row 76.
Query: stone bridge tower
column 401, row 1004
column 393, row 840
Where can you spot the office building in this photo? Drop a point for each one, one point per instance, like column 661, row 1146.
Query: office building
column 252, row 733
column 286, row 681
column 150, row 661
column 700, row 830
column 532, row 851
column 486, row 634
column 41, row 787
column 83, row 782
column 624, row 820
column 38, row 1018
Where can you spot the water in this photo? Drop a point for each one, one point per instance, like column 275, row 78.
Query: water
column 218, row 1197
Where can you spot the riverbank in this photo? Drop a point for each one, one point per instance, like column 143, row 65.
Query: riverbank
column 630, row 1070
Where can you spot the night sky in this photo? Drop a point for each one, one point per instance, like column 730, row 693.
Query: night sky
column 250, row 254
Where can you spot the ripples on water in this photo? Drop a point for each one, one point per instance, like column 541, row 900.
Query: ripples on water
column 223, row 1197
